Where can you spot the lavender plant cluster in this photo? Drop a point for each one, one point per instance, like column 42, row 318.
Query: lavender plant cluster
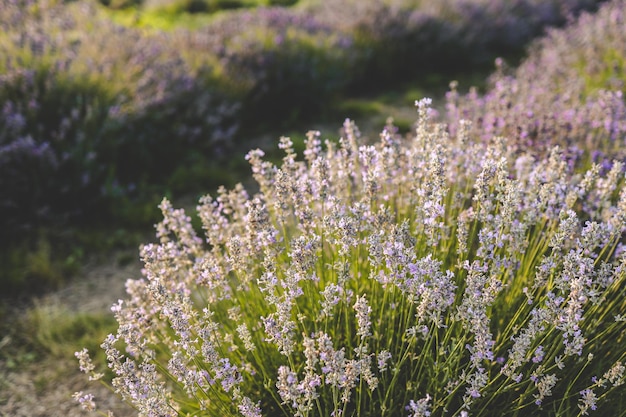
column 418, row 276
column 569, row 91
column 90, row 110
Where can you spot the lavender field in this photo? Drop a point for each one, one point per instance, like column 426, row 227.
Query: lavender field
column 468, row 262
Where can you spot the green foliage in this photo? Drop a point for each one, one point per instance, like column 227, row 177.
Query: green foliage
column 203, row 6
column 282, row 3
column 121, row 4
column 36, row 268
column 289, row 73
column 67, row 113
column 103, row 123
column 51, row 258
column 179, row 13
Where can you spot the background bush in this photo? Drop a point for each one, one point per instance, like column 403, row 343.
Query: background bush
column 94, row 111
column 287, row 64
column 569, row 92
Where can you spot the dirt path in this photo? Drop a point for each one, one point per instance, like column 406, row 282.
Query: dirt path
column 44, row 389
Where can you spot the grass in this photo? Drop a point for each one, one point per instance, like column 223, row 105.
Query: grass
column 188, row 14
column 47, row 333
column 158, row 19
column 37, row 267
column 55, row 331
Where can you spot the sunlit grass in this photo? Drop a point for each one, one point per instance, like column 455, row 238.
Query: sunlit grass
column 159, row 19
column 180, row 14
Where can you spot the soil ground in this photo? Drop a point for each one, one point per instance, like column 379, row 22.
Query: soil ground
column 44, row 389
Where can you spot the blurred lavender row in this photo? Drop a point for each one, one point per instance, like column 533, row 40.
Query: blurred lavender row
column 91, row 111
column 568, row 92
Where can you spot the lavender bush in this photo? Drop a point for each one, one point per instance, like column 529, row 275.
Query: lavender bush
column 420, row 276
column 90, row 110
column 280, row 61
column 569, row 91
